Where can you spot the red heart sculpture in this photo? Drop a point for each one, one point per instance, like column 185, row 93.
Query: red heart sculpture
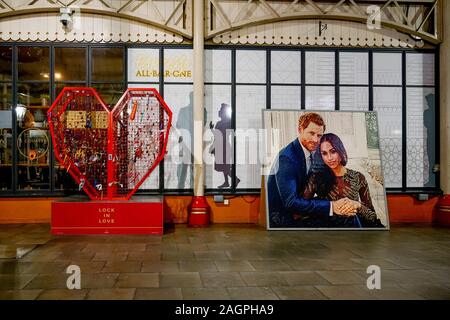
column 109, row 153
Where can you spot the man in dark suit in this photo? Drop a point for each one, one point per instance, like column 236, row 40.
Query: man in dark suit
column 288, row 177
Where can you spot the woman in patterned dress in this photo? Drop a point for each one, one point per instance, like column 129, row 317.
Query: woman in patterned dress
column 335, row 182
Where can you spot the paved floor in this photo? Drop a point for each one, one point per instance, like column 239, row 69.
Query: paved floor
column 226, row 262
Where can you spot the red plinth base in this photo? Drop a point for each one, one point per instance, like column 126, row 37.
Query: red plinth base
column 198, row 212
column 78, row 215
column 443, row 216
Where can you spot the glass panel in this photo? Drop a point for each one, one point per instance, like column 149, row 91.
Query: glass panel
column 250, row 100
column 320, row 67
column 143, row 64
column 320, row 98
column 354, row 98
column 70, row 64
column 5, row 96
column 250, row 66
column 5, row 137
column 219, row 139
column 354, row 68
column 33, row 158
column 107, row 64
column 34, row 96
column 421, row 133
column 60, row 86
column 388, row 103
column 286, row 67
column 178, row 160
column 5, row 63
column 63, row 180
column 33, row 139
column 33, row 63
column 109, row 92
column 178, row 65
column 217, row 65
column 420, row 69
column 387, row 68
column 285, row 97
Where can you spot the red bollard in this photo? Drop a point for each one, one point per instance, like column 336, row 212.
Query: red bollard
column 443, row 216
column 199, row 215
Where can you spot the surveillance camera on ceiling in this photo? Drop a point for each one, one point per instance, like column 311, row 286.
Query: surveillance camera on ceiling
column 65, row 16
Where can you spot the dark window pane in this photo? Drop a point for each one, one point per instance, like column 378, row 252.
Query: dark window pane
column 33, row 139
column 5, row 136
column 70, row 64
column 33, row 158
column 33, row 63
column 110, row 92
column 63, row 180
column 5, row 63
column 5, row 149
column 107, row 64
column 33, row 95
column 5, row 96
column 60, row 86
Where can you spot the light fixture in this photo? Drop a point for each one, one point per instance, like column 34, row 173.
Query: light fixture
column 21, row 110
column 57, row 75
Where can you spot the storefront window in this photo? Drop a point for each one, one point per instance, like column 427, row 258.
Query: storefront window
column 33, row 63
column 33, row 100
column 5, row 64
column 108, row 64
column 5, row 118
column 70, row 64
column 244, row 82
column 33, row 141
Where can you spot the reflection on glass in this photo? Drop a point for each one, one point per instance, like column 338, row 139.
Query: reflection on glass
column 250, row 100
column 388, row 104
column 36, row 99
column 5, row 63
column 109, row 92
column 60, row 86
column 70, row 64
column 33, row 158
column 421, row 133
column 33, row 63
column 107, row 64
column 178, row 173
column 5, row 149
column 63, row 180
column 218, row 137
column 33, row 140
column 5, row 96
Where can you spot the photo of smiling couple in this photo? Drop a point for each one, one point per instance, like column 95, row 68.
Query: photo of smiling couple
column 314, row 182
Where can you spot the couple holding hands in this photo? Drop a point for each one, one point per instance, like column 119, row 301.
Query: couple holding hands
column 309, row 185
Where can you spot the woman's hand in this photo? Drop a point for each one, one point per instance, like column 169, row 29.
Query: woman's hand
column 345, row 207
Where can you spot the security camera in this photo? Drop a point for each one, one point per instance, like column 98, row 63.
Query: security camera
column 65, row 16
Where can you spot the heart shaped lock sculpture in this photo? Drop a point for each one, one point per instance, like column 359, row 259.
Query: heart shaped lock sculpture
column 109, row 153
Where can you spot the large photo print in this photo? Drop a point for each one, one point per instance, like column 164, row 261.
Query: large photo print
column 324, row 171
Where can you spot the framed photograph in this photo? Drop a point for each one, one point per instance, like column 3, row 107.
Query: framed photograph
column 323, row 171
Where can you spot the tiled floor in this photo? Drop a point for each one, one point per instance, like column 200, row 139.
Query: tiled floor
column 226, row 262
